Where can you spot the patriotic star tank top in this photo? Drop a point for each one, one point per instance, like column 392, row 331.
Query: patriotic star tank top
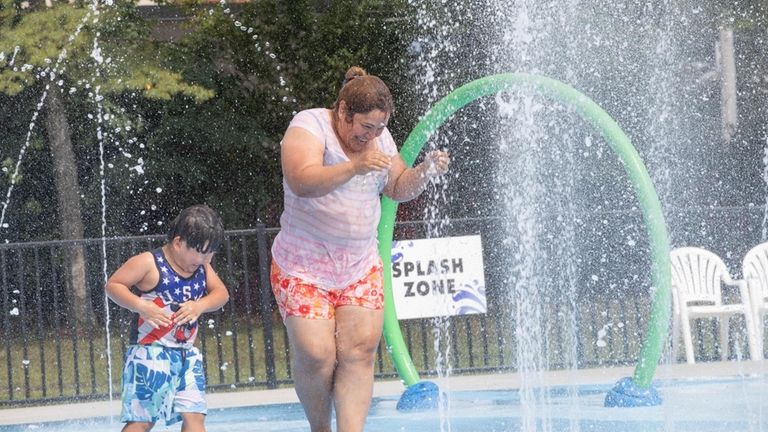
column 171, row 291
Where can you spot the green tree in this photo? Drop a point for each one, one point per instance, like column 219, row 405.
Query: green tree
column 281, row 58
column 64, row 46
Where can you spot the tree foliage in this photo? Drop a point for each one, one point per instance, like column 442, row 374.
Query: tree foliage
column 96, row 56
column 265, row 60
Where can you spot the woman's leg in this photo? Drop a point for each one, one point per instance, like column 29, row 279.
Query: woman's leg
column 313, row 344
column 358, row 331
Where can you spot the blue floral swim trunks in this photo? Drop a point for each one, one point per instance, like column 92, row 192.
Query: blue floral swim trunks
column 162, row 383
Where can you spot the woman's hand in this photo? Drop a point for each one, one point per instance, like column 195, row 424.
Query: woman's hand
column 370, row 161
column 407, row 183
column 436, row 163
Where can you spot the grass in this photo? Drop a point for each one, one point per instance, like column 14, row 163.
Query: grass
column 77, row 367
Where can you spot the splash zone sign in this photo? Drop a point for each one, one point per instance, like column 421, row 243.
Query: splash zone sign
column 438, row 277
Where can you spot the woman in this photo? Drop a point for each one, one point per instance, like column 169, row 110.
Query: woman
column 326, row 271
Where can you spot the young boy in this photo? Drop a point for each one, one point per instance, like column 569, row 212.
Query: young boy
column 163, row 374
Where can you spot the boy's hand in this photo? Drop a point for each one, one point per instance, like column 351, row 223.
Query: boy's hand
column 188, row 312
column 156, row 316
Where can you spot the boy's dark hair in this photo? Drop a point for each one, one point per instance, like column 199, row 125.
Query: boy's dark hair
column 200, row 227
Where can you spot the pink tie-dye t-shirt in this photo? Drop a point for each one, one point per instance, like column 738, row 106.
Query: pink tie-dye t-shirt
column 331, row 240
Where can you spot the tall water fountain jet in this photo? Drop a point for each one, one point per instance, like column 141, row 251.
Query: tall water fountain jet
column 525, row 137
column 542, row 145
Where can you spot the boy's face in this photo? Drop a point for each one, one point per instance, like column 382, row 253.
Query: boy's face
column 188, row 258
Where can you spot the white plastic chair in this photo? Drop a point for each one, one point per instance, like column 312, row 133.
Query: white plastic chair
column 697, row 279
column 754, row 270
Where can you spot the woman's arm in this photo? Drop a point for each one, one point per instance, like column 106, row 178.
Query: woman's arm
column 303, row 169
column 407, row 183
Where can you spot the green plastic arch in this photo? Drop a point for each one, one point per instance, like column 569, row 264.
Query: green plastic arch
column 649, row 202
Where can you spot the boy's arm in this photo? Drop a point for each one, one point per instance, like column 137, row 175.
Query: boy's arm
column 216, row 296
column 137, row 271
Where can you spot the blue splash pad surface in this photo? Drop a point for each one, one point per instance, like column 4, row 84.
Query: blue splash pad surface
column 695, row 406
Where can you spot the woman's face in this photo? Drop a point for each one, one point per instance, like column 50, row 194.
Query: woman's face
column 364, row 127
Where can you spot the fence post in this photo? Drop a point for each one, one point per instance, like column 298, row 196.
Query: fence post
column 266, row 300
column 7, row 325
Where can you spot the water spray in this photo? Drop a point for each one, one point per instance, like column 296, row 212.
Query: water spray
column 629, row 392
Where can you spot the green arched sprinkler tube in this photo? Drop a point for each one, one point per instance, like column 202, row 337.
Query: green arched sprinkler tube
column 634, row 391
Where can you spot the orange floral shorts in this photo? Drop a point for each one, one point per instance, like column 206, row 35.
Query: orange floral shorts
column 297, row 297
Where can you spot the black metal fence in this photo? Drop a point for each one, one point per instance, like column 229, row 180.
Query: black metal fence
column 51, row 350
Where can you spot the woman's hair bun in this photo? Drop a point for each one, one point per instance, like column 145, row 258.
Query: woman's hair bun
column 354, row 72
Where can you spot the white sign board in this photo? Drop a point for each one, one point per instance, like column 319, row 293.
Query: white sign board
column 438, row 277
